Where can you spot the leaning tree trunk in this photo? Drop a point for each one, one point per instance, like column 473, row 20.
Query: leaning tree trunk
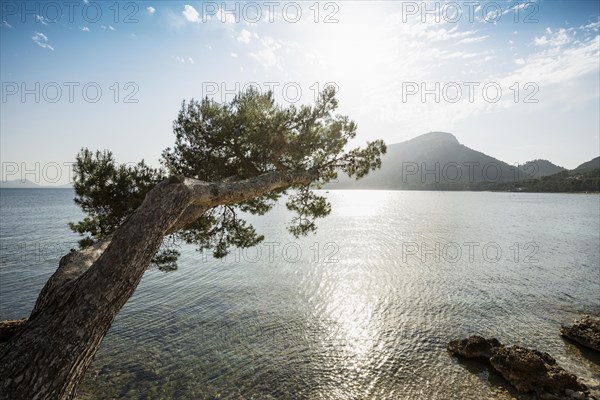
column 49, row 357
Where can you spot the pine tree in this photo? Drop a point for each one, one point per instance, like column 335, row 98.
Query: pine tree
column 227, row 158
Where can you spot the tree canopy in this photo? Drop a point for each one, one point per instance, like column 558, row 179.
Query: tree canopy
column 214, row 142
column 228, row 160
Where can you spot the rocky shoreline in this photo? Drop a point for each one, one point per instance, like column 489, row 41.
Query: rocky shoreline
column 529, row 371
column 585, row 331
column 534, row 374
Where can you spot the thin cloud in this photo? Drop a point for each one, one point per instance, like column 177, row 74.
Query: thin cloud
column 592, row 26
column 191, row 14
column 226, row 17
column 41, row 19
column 517, row 8
column 476, row 39
column 175, row 20
column 184, row 60
column 268, row 55
column 244, row 36
column 6, row 24
column 553, row 39
column 40, row 36
column 41, row 40
column 84, row 29
column 558, row 65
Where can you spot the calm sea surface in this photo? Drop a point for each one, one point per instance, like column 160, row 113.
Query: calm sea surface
column 361, row 310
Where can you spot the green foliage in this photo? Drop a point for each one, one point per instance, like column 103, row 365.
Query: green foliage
column 308, row 206
column 247, row 137
column 107, row 192
column 166, row 259
column 218, row 229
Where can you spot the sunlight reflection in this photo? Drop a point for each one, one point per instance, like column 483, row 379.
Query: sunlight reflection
column 359, row 203
column 352, row 329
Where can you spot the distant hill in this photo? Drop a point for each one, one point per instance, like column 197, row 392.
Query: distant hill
column 437, row 161
column 27, row 184
column 588, row 166
column 539, row 168
column 19, row 184
column 573, row 181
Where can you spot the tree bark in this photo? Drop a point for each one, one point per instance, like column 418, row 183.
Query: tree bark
column 49, row 356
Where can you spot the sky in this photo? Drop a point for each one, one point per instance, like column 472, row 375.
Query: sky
column 516, row 80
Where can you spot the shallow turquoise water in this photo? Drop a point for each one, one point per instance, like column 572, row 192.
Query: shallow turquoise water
column 361, row 310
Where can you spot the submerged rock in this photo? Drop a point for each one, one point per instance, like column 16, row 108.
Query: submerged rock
column 586, row 332
column 529, row 371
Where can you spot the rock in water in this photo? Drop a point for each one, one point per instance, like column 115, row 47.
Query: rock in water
column 586, row 332
column 533, row 371
column 529, row 371
column 475, row 347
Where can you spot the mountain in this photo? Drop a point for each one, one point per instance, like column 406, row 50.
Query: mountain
column 436, row 160
column 27, row 184
column 19, row 184
column 578, row 180
column 588, row 166
column 539, row 168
